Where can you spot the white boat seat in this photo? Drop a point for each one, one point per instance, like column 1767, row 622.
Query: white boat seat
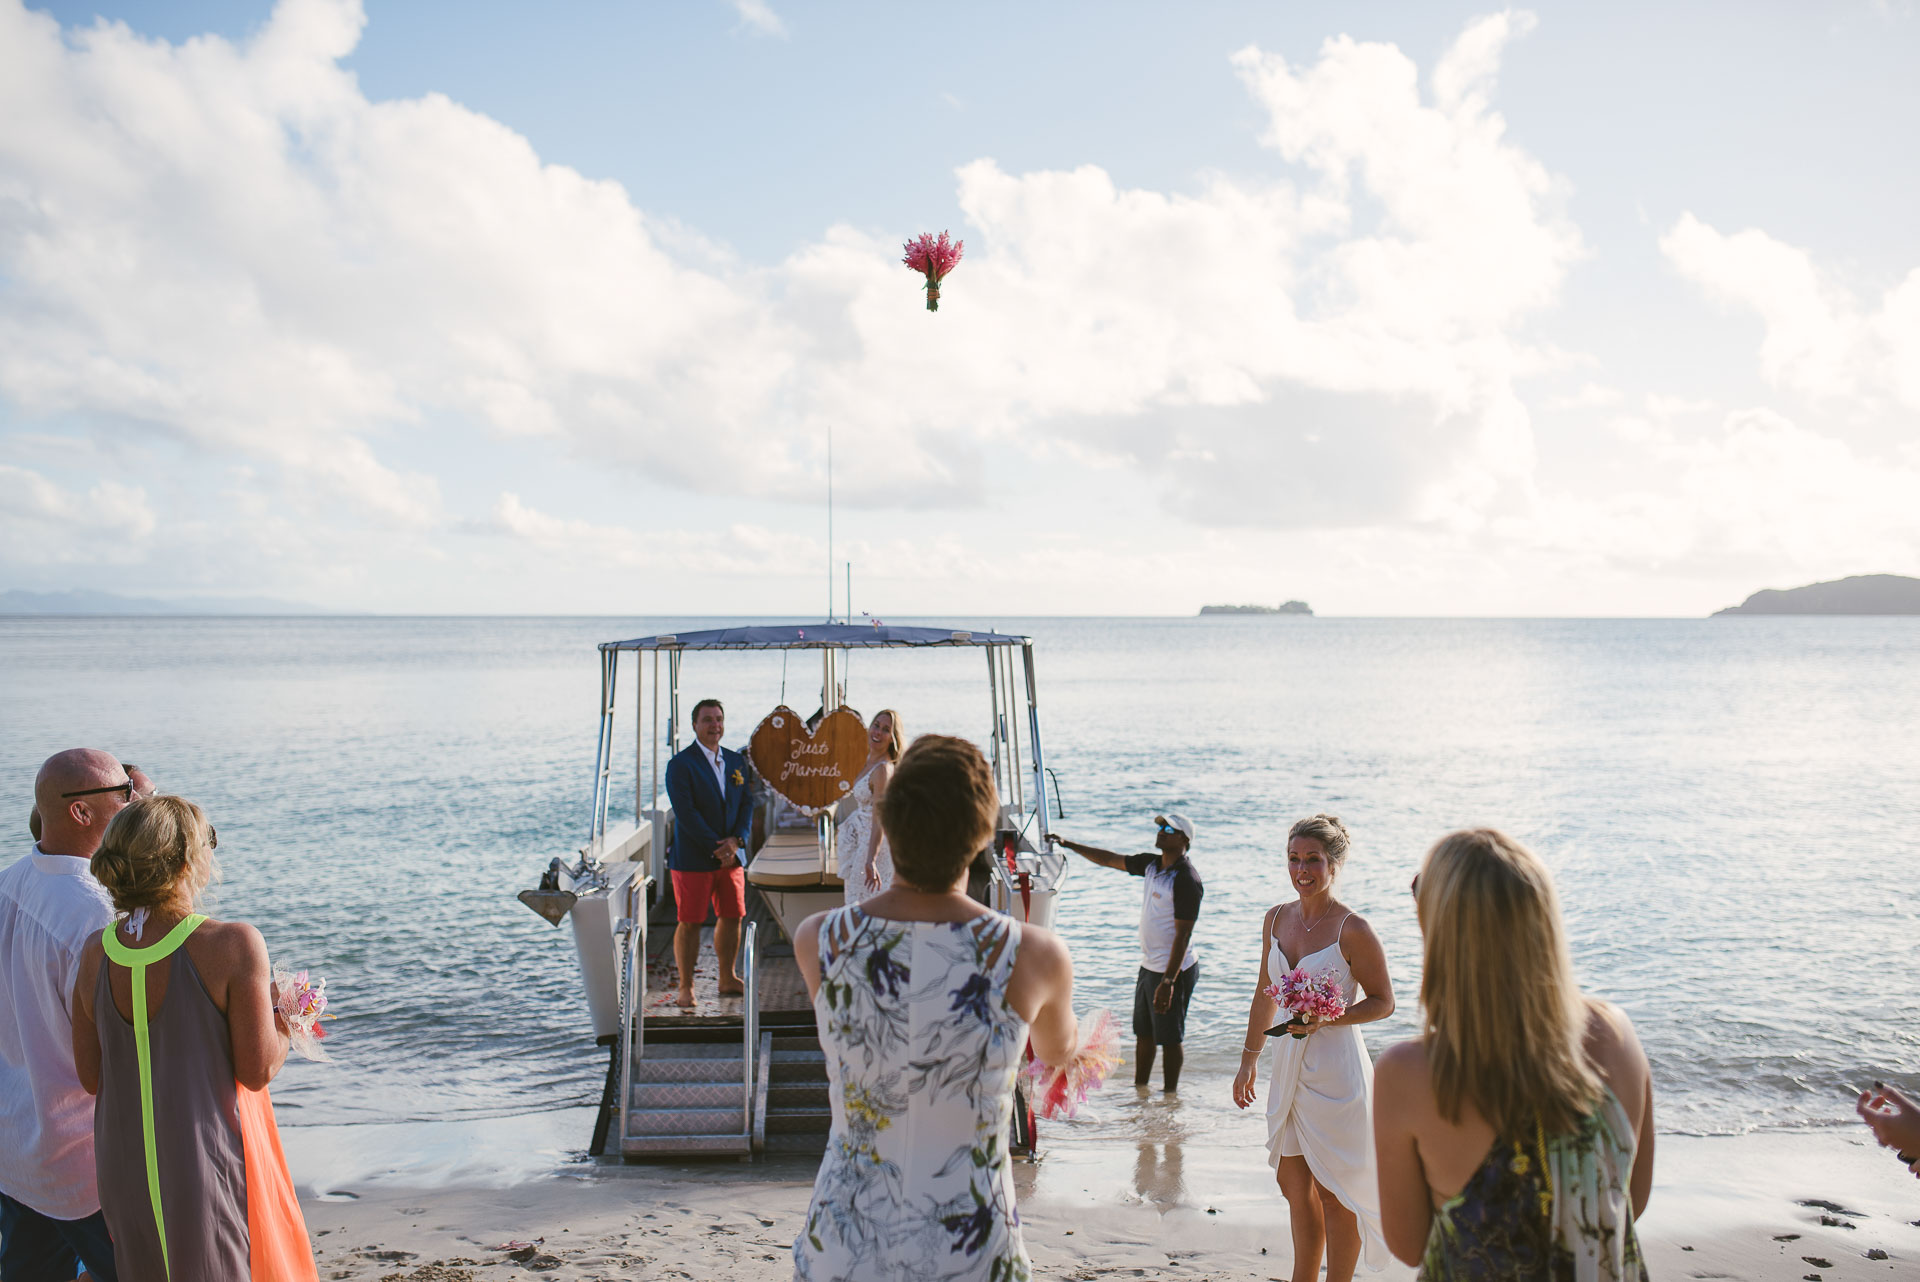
column 792, row 858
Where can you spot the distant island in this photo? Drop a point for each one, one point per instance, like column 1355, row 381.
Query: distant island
column 83, row 601
column 1861, row 594
column 1289, row 607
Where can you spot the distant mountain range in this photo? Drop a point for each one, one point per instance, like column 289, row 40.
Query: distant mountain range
column 15, row 601
column 1861, row 594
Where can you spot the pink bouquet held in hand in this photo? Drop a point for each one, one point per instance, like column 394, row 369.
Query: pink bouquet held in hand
column 1061, row 1091
column 1313, row 997
column 933, row 259
column 302, row 1002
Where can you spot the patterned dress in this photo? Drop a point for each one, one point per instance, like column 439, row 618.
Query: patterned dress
column 851, row 841
column 1565, row 1219
column 922, row 1051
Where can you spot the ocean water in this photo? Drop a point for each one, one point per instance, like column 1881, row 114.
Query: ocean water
column 1730, row 807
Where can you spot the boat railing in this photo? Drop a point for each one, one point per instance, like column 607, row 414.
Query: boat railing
column 750, row 1018
column 633, row 995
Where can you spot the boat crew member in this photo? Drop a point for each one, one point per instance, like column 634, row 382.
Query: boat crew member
column 712, row 815
column 1169, row 966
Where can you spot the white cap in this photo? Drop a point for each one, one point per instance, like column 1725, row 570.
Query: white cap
column 1181, row 822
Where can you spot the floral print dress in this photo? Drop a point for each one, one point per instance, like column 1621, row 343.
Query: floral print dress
column 1545, row 1209
column 922, row 1051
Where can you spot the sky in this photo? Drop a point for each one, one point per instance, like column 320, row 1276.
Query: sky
column 1403, row 309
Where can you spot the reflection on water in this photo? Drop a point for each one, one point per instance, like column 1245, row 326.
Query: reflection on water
column 1728, row 806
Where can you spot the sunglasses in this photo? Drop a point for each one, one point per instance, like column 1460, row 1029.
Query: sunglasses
column 126, row 787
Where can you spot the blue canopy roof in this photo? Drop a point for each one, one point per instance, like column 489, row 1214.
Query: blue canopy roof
column 815, row 636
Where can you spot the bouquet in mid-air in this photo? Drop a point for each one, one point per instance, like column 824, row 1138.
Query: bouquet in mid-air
column 302, row 1002
column 933, row 259
column 1311, row 997
column 1061, row 1090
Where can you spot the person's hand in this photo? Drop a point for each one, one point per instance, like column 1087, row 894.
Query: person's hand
column 727, row 852
column 870, row 875
column 1243, row 1080
column 1163, row 997
column 1893, row 1118
column 1305, row 1025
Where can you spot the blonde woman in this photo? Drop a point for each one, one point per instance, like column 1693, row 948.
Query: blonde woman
column 866, row 862
column 174, row 1029
column 1515, row 1136
column 1319, row 1101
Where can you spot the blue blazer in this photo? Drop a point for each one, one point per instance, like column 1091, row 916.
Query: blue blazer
column 703, row 815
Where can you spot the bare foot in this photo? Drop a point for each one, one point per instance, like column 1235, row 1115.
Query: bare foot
column 737, row 988
column 685, row 1000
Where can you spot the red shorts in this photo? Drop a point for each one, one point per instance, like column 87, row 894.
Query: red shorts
column 724, row 888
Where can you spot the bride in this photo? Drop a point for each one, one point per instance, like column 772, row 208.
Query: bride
column 1319, row 1111
column 866, row 865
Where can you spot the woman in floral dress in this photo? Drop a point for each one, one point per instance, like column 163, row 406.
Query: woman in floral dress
column 1515, row 1137
column 925, row 1001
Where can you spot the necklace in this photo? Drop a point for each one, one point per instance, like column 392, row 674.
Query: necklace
column 1315, row 923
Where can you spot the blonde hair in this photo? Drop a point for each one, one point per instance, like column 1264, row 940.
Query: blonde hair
column 896, row 738
column 157, row 853
column 1329, row 832
column 1505, row 1022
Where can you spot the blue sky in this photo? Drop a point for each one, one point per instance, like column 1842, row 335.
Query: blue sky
column 1615, row 324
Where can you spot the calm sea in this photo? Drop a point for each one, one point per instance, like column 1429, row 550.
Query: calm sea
column 1730, row 806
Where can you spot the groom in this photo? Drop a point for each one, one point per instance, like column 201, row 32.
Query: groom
column 712, row 815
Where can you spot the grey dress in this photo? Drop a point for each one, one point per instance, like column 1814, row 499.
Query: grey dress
column 197, row 1138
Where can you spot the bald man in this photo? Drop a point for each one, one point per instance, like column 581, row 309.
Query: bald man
column 50, row 905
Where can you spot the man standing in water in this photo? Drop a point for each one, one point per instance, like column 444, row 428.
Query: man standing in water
column 712, row 815
column 1169, row 966
column 50, row 1223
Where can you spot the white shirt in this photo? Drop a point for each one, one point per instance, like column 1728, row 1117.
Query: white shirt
column 1156, row 916
column 49, row 906
column 719, row 764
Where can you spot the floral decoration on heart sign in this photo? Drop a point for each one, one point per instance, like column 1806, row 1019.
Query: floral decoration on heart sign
column 812, row 769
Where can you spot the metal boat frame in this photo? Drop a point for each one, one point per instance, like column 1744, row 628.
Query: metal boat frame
column 619, row 875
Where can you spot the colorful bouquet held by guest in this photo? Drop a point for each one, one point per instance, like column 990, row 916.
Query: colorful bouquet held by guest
column 1312, row 998
column 302, row 1002
column 1061, row 1091
column 933, row 259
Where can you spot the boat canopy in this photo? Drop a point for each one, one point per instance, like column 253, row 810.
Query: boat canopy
column 816, row 636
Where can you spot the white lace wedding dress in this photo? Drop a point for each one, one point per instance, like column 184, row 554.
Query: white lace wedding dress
column 851, row 844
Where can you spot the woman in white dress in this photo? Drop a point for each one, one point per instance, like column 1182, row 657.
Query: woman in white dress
column 1320, row 1101
column 866, row 864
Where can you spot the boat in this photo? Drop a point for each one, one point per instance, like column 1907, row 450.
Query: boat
column 745, row 1076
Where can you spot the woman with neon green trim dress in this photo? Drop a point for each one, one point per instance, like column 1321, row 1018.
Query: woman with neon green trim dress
column 174, row 1029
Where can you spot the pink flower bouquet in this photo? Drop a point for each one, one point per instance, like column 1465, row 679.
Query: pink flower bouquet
column 302, row 1002
column 933, row 259
column 1310, row 997
column 1061, row 1091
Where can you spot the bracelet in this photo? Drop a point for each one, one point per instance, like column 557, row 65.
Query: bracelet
column 1251, row 1050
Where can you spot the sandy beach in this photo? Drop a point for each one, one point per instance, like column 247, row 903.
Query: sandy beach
column 471, row 1201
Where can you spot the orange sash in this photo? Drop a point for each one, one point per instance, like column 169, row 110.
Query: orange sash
column 276, row 1231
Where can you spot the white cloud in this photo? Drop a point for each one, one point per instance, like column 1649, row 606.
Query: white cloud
column 229, row 243
column 758, row 17
column 41, row 522
column 1757, row 494
column 1820, row 341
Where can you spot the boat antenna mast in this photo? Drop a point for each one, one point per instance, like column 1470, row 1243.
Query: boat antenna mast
column 829, row 523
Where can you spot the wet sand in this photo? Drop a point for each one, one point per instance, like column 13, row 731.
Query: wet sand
column 1743, row 1207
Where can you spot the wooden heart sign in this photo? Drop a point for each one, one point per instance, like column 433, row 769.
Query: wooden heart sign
column 812, row 769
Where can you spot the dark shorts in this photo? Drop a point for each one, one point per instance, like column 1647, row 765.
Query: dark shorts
column 724, row 888
column 1169, row 1029
column 39, row 1248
